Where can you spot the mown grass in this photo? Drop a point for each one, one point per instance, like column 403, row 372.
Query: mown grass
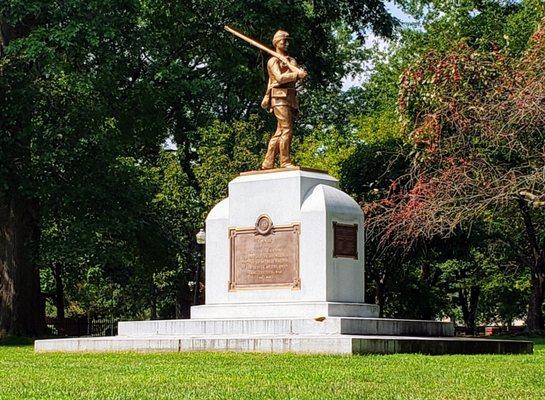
column 26, row 375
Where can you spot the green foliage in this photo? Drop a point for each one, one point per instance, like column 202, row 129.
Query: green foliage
column 492, row 34
column 225, row 150
column 91, row 90
column 134, row 246
column 325, row 149
column 484, row 25
column 465, row 46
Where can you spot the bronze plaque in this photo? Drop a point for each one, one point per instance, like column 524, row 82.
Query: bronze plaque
column 345, row 240
column 264, row 256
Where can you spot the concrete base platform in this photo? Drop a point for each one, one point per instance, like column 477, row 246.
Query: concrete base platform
column 296, row 335
column 320, row 344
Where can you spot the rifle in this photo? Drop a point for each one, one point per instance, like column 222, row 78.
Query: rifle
column 255, row 43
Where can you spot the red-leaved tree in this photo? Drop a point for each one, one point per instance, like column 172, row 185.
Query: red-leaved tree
column 476, row 120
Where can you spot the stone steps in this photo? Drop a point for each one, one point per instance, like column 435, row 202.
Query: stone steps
column 331, row 335
column 308, row 344
column 287, row 326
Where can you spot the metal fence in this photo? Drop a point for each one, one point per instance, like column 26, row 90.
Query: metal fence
column 83, row 326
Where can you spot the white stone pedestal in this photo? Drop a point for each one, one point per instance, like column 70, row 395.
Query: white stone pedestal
column 328, row 285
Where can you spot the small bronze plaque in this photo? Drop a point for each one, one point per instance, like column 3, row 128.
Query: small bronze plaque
column 264, row 256
column 345, row 240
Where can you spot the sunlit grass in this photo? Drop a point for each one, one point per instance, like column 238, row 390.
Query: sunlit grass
column 26, row 375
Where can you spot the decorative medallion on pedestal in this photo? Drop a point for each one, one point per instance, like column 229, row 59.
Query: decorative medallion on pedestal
column 263, row 225
column 264, row 256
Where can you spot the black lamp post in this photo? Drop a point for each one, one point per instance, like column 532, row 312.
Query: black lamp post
column 201, row 240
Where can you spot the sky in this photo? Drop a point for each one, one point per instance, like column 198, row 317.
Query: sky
column 396, row 12
column 372, row 40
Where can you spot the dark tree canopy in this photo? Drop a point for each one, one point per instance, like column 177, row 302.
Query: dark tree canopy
column 90, row 90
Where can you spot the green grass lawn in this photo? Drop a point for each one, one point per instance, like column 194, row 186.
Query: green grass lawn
column 25, row 375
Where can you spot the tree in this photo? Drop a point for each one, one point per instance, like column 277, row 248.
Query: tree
column 87, row 84
column 226, row 150
column 379, row 169
column 474, row 119
column 61, row 73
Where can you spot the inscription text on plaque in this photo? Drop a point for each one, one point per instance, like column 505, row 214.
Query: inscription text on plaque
column 264, row 256
column 345, row 240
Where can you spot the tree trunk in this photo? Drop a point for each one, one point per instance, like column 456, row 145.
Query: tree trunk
column 153, row 304
column 22, row 310
column 535, row 321
column 59, row 297
column 183, row 301
column 469, row 302
column 471, row 324
column 463, row 304
column 425, row 278
column 380, row 295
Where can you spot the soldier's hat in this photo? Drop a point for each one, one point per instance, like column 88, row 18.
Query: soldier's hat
column 279, row 35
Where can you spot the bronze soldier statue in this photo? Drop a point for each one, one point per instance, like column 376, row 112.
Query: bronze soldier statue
column 281, row 95
column 281, row 99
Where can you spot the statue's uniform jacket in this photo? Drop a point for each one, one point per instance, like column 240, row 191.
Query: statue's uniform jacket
column 281, row 99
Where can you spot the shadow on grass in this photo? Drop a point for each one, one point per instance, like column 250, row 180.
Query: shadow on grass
column 539, row 340
column 16, row 341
